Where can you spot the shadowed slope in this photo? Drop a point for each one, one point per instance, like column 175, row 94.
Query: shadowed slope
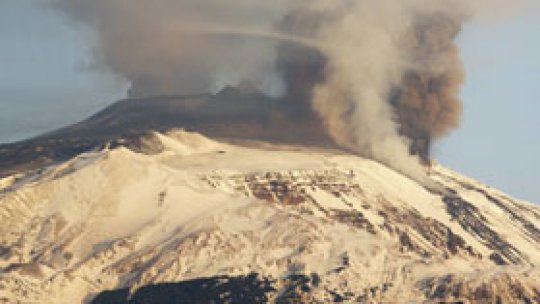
column 228, row 114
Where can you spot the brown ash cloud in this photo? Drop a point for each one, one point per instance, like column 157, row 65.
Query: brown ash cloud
column 380, row 77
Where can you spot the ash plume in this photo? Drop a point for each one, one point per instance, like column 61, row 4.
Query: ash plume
column 381, row 77
column 426, row 100
column 186, row 46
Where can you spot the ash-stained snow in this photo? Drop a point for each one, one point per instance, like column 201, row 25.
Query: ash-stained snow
column 296, row 223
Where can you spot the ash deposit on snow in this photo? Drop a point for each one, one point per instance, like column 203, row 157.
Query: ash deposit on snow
column 181, row 218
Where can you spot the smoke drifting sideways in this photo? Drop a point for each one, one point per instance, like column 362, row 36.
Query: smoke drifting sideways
column 381, row 76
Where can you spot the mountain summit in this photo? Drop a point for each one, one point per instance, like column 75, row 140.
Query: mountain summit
column 182, row 218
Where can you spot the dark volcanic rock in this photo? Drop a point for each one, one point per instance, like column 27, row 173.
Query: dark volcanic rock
column 470, row 218
column 496, row 289
column 223, row 289
column 229, row 114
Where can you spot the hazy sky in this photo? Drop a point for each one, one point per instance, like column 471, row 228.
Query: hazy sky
column 46, row 81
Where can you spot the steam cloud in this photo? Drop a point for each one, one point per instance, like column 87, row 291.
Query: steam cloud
column 383, row 76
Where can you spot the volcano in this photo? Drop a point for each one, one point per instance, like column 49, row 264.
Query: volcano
column 158, row 201
column 231, row 114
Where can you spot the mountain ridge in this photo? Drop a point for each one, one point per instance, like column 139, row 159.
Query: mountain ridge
column 232, row 113
column 296, row 223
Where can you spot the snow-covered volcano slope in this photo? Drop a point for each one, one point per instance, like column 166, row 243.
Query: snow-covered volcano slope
column 226, row 223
